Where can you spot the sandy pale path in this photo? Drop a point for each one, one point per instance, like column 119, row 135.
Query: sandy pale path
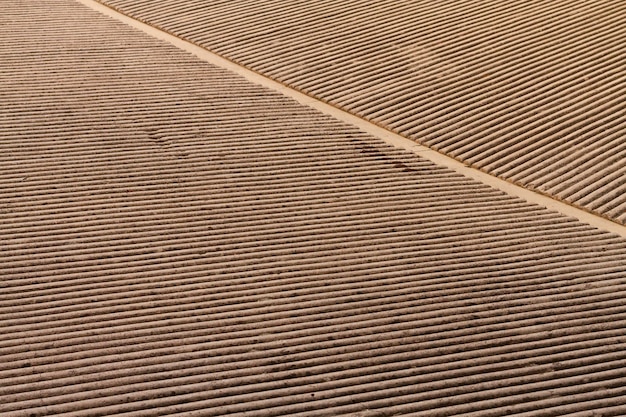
column 530, row 91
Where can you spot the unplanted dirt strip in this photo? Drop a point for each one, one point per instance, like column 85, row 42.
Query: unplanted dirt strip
column 178, row 241
column 530, row 91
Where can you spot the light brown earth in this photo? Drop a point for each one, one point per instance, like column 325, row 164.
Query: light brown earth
column 179, row 241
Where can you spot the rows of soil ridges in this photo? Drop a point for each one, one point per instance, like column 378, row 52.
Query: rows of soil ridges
column 178, row 241
column 530, row 91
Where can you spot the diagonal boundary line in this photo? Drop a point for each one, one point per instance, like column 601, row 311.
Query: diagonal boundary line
column 377, row 131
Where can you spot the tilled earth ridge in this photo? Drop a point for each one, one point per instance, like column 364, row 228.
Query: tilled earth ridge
column 530, row 91
column 178, row 241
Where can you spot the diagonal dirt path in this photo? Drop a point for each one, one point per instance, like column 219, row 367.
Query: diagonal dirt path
column 529, row 91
